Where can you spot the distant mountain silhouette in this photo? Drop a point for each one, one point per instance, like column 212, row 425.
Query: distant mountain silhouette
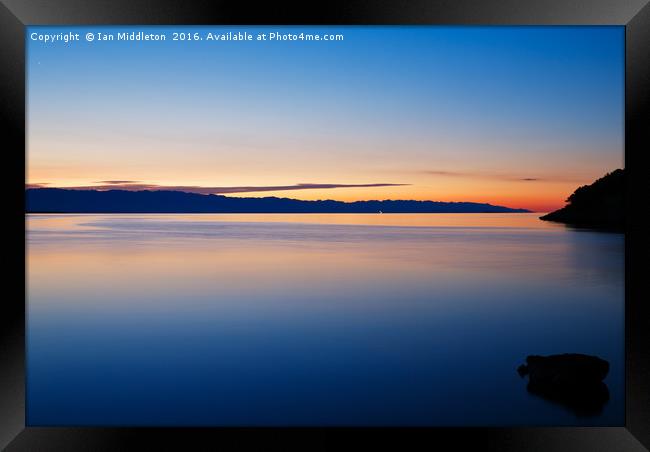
column 57, row 200
column 599, row 205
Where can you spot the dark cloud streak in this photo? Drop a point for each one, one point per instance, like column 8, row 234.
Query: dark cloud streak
column 484, row 175
column 117, row 182
column 134, row 186
column 569, row 178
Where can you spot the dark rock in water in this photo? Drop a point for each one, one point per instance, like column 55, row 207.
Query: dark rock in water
column 569, row 368
column 599, row 205
column 574, row 381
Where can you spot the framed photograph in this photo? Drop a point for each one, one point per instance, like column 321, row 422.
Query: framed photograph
column 412, row 221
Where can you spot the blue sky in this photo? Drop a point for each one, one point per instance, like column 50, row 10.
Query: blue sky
column 452, row 112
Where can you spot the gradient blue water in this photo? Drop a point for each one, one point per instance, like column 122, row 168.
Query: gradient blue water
column 299, row 320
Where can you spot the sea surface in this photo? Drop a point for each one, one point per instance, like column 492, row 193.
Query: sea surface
column 337, row 319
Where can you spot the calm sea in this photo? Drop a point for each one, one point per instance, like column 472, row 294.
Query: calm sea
column 393, row 319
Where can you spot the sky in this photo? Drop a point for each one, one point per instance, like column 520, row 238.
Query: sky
column 514, row 116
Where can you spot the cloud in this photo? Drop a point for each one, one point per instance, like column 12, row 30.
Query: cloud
column 483, row 175
column 495, row 175
column 117, row 182
column 135, row 186
column 445, row 173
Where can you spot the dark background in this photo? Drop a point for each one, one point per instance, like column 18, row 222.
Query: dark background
column 15, row 14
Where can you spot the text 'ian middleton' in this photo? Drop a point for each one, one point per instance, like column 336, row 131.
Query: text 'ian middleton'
column 140, row 36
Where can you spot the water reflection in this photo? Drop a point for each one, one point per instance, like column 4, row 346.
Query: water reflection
column 574, row 381
column 583, row 401
column 312, row 319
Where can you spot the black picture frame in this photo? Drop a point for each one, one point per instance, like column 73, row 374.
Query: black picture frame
column 15, row 15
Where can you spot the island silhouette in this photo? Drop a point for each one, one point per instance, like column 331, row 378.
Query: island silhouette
column 599, row 205
column 58, row 200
